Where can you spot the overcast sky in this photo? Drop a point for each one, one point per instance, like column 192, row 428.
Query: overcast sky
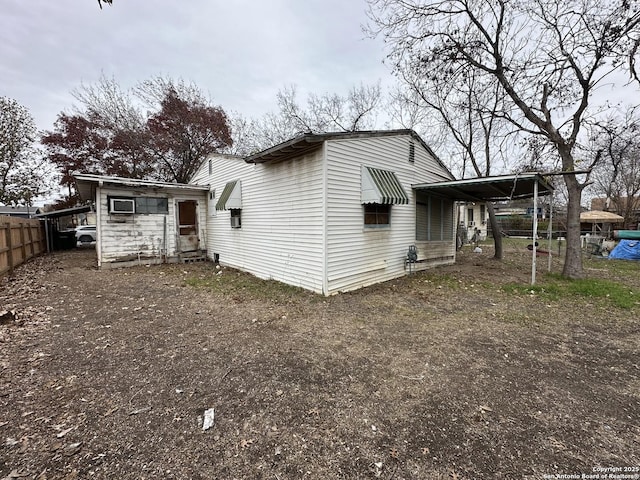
column 241, row 52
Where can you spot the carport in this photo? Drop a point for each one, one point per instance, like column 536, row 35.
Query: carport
column 495, row 189
column 59, row 238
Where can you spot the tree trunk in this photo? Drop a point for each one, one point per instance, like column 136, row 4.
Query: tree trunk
column 496, row 231
column 573, row 255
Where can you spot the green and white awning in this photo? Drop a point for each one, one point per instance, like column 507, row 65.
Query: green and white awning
column 231, row 196
column 382, row 186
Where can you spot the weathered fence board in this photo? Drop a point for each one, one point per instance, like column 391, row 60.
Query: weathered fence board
column 20, row 240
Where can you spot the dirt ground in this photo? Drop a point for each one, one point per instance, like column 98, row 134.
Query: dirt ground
column 438, row 375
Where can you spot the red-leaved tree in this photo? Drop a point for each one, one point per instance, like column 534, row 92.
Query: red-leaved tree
column 183, row 133
column 112, row 136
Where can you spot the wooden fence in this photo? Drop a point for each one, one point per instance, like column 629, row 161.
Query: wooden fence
column 20, row 240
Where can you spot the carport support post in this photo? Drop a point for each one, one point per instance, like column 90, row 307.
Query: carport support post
column 550, row 230
column 535, row 232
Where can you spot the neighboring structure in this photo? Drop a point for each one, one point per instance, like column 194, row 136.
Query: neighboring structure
column 21, row 212
column 330, row 212
column 141, row 220
column 627, row 207
column 473, row 218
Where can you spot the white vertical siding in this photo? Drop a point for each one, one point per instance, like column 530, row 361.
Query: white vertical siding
column 124, row 237
column 359, row 256
column 281, row 236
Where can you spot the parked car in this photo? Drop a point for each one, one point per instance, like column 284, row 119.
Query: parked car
column 86, row 233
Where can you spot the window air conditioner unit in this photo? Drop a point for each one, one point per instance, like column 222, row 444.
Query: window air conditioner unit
column 235, row 222
column 122, row 205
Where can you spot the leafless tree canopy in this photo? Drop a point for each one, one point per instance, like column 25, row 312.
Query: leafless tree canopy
column 322, row 113
column 617, row 177
column 546, row 57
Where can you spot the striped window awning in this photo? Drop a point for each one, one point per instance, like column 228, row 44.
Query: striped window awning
column 231, row 196
column 382, row 186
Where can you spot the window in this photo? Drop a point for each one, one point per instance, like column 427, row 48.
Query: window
column 141, row 205
column 376, row 214
column 470, row 217
column 483, row 214
column 236, row 218
column 147, row 205
column 212, row 195
column 434, row 218
column 210, row 167
column 412, row 152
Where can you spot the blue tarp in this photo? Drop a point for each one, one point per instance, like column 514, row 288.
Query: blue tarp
column 626, row 250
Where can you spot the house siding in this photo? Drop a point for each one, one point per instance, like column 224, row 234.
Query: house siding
column 281, row 236
column 127, row 237
column 356, row 255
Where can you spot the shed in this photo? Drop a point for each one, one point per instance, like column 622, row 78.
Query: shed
column 145, row 221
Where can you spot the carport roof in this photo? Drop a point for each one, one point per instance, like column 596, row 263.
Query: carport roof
column 489, row 189
column 86, row 184
column 64, row 212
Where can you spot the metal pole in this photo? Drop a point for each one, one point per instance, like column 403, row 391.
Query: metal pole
column 550, row 234
column 535, row 232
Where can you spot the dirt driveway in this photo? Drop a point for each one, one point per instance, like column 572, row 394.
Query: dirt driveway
column 444, row 374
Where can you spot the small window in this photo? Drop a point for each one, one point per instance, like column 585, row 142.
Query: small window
column 470, row 216
column 376, row 214
column 483, row 214
column 212, row 195
column 412, row 152
column 147, row 205
column 210, row 167
column 236, row 218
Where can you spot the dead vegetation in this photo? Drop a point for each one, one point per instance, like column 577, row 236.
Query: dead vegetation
column 442, row 374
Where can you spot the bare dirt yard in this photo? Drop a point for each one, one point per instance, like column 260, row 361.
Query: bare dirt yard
column 462, row 372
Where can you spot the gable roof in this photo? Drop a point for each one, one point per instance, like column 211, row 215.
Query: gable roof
column 309, row 142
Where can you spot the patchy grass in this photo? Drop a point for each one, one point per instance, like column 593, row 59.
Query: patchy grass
column 559, row 288
column 238, row 284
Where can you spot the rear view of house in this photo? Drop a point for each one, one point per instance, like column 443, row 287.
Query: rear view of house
column 329, row 212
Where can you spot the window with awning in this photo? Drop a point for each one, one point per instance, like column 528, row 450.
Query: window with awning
column 382, row 187
column 231, row 196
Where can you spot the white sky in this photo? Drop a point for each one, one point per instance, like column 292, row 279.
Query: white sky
column 241, row 52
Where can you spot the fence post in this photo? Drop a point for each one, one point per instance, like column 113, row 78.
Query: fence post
column 23, row 243
column 31, row 246
column 10, row 247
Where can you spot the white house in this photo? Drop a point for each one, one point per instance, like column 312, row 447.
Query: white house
column 473, row 216
column 329, row 212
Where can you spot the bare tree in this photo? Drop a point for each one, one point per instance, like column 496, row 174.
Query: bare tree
column 469, row 114
column 617, row 177
column 547, row 56
column 322, row 113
